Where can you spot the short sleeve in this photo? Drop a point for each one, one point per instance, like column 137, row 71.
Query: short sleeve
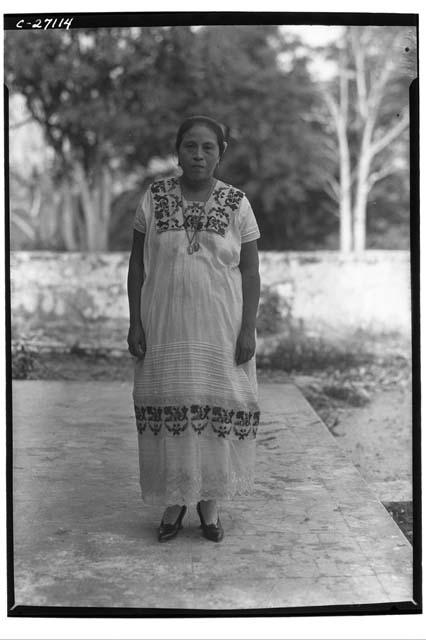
column 249, row 229
column 140, row 216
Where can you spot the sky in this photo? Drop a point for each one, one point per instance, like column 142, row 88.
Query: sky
column 317, row 35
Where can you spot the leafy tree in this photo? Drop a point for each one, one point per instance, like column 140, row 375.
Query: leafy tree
column 110, row 100
column 274, row 153
column 97, row 95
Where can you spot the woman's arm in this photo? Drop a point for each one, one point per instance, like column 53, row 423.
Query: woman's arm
column 136, row 336
column 249, row 267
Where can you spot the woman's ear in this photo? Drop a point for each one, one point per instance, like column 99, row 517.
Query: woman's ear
column 225, row 144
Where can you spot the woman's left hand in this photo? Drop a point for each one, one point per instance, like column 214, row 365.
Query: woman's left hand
column 246, row 346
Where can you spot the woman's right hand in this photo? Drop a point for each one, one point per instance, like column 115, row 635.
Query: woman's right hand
column 136, row 341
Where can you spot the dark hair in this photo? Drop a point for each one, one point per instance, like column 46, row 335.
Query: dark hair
column 214, row 125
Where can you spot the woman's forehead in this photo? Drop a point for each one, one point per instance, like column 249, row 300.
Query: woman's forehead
column 200, row 132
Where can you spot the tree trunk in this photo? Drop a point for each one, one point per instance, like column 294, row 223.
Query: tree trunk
column 35, row 209
column 361, row 198
column 362, row 182
column 105, row 204
column 50, row 206
column 68, row 218
column 49, row 218
column 345, row 204
column 345, row 194
column 96, row 205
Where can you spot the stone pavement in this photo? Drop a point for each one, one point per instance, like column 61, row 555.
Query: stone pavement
column 312, row 534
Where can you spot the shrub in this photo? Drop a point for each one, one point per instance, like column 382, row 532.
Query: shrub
column 23, row 361
column 269, row 318
column 299, row 352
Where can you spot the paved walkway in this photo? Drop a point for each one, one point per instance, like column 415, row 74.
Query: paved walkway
column 313, row 533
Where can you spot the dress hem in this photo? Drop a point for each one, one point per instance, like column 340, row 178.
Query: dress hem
column 154, row 501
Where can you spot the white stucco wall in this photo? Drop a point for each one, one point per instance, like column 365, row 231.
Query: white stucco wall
column 82, row 296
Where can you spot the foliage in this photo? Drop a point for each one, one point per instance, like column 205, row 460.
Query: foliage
column 110, row 100
column 359, row 358
column 95, row 93
column 123, row 208
column 387, row 214
column 263, row 106
column 309, row 353
column 89, row 89
column 23, row 362
column 269, row 318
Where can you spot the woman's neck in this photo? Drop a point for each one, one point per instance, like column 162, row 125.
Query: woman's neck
column 199, row 190
column 197, row 186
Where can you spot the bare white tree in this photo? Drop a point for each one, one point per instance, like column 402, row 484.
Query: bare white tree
column 369, row 62
column 339, row 111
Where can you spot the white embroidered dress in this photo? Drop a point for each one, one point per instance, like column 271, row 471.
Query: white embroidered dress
column 196, row 410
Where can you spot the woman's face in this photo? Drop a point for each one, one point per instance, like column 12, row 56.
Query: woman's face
column 198, row 153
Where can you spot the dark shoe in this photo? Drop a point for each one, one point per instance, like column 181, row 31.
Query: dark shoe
column 168, row 531
column 212, row 532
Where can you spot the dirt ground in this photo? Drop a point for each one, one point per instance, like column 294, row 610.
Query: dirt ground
column 367, row 409
column 378, row 439
column 377, row 435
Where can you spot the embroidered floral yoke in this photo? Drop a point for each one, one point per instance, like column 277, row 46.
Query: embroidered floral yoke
column 196, row 411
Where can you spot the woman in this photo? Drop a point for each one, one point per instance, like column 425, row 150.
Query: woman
column 193, row 287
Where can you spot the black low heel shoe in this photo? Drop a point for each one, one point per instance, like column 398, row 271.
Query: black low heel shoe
column 169, row 531
column 212, row 532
